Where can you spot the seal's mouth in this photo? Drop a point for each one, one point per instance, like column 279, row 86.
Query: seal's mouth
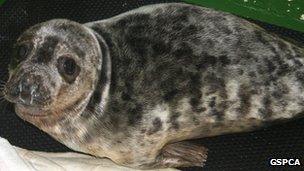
column 28, row 107
column 24, row 110
column 25, row 103
column 28, row 92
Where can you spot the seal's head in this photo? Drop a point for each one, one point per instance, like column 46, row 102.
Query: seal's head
column 55, row 65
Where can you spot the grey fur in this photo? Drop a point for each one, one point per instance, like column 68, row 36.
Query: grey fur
column 161, row 74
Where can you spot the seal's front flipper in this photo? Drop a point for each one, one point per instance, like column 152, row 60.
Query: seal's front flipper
column 182, row 154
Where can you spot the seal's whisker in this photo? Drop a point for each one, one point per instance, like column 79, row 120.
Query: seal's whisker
column 2, row 82
column 1, row 94
column 2, row 100
column 2, row 88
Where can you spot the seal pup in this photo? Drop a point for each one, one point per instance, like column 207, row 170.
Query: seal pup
column 135, row 87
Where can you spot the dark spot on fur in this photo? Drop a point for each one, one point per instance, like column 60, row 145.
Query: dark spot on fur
column 224, row 60
column 277, row 94
column 189, row 30
column 138, row 44
column 260, row 37
column 137, row 30
column 214, row 106
column 266, row 111
column 157, row 123
column 260, row 69
column 225, row 30
column 157, row 126
column 210, row 43
column 184, row 51
column 53, row 83
column 195, row 91
column 244, row 95
column 289, row 57
column 240, row 71
column 219, row 114
column 194, row 101
column 300, row 77
column 143, row 131
column 122, row 23
column 125, row 96
column 128, row 89
column 114, row 108
column 282, row 45
column 170, row 95
column 271, row 67
column 214, row 83
column 195, row 120
column 195, row 79
column 212, row 102
column 298, row 63
column 45, row 52
column 177, row 27
column 283, row 69
column 212, row 60
column 135, row 115
column 173, row 120
column 201, row 109
column 252, row 74
column 160, row 48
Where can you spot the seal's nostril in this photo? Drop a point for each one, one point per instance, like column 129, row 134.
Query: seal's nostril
column 28, row 87
column 26, row 84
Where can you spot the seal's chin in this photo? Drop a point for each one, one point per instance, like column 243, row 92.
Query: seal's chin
column 30, row 111
column 23, row 107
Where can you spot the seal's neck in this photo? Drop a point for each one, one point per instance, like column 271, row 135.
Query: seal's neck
column 100, row 95
column 90, row 125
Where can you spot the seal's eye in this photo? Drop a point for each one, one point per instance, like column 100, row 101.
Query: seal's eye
column 21, row 51
column 68, row 68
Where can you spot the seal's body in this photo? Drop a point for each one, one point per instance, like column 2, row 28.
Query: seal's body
column 133, row 87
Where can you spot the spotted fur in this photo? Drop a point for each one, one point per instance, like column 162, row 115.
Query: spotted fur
column 162, row 74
